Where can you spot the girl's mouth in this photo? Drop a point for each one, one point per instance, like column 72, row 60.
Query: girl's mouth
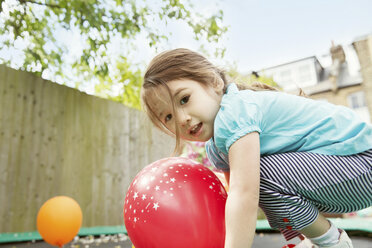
column 196, row 130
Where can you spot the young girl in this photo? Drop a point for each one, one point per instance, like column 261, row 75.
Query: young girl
column 292, row 156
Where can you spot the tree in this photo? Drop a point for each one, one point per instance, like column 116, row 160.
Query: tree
column 33, row 27
column 249, row 78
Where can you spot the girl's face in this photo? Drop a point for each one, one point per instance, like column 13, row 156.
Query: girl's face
column 196, row 107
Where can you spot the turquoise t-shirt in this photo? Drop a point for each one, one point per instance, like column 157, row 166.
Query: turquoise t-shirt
column 289, row 123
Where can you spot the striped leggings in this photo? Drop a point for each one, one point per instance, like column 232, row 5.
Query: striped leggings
column 296, row 186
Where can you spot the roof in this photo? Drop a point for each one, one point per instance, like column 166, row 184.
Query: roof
column 295, row 61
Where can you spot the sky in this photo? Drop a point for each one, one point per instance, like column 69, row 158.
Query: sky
column 265, row 33
column 261, row 33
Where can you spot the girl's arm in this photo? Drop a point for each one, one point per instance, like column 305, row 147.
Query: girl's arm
column 244, row 185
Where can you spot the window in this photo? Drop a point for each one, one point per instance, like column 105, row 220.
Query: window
column 304, row 73
column 357, row 100
column 286, row 74
column 285, row 78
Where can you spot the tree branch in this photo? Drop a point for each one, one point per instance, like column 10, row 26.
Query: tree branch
column 44, row 4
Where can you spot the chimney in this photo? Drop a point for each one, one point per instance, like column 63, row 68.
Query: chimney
column 337, row 53
column 338, row 58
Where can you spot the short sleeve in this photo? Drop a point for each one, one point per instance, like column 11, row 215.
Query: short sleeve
column 239, row 115
column 218, row 159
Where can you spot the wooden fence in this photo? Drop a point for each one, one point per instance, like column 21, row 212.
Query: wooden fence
column 55, row 140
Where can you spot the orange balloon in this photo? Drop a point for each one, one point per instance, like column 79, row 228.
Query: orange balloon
column 59, row 220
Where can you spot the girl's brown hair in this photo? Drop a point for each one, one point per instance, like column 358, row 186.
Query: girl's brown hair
column 182, row 64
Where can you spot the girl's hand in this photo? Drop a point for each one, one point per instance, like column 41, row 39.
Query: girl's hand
column 244, row 185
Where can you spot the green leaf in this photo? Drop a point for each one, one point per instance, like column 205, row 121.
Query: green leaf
column 99, row 23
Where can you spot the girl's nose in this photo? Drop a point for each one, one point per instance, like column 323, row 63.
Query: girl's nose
column 184, row 118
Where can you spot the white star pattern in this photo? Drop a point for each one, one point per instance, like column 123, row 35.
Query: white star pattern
column 156, row 206
column 135, row 195
column 161, row 185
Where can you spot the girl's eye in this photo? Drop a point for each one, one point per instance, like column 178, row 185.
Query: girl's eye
column 168, row 117
column 184, row 100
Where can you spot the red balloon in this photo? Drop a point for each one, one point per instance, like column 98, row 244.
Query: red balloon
column 175, row 202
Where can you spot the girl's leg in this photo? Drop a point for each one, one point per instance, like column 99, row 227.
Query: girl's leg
column 319, row 227
column 332, row 238
column 296, row 186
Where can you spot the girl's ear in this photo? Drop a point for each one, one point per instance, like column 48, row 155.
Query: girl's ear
column 219, row 85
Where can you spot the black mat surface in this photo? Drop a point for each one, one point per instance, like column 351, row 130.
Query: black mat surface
column 262, row 240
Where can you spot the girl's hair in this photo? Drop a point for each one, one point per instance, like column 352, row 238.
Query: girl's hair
column 182, row 64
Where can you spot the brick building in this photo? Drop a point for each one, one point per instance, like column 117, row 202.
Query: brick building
column 336, row 82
